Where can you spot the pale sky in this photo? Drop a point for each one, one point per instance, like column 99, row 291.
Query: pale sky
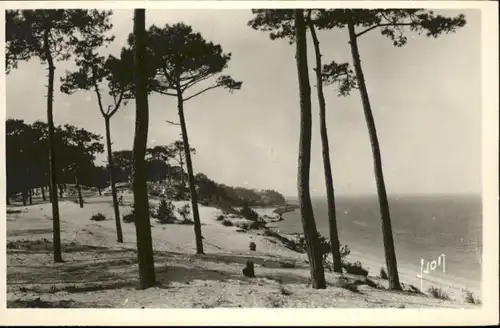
column 426, row 99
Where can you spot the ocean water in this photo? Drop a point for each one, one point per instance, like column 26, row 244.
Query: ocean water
column 424, row 227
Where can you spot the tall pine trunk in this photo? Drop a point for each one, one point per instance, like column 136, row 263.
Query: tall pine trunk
column 390, row 252
column 181, row 163
column 141, row 204
column 191, row 182
column 306, row 210
column 43, row 193
column 330, row 194
column 52, row 152
column 111, row 169
column 79, row 190
column 30, row 196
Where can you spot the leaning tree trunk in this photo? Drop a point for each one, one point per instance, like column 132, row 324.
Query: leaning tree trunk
column 390, row 252
column 111, row 169
column 191, row 182
column 306, row 209
column 79, row 190
column 141, row 204
column 330, row 195
column 52, row 153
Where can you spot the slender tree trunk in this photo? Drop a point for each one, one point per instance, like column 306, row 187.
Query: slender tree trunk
column 390, row 252
column 100, row 194
column 52, row 153
column 141, row 204
column 306, row 210
column 191, row 182
column 79, row 190
column 25, row 197
column 43, row 193
column 30, row 196
column 182, row 164
column 50, row 192
column 119, row 234
column 61, row 191
column 330, row 195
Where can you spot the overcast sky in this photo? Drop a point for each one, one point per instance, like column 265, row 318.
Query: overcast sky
column 426, row 99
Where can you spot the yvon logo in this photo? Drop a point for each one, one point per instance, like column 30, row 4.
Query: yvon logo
column 431, row 266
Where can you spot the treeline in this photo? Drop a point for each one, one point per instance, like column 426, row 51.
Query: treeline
column 211, row 192
column 27, row 161
column 27, row 168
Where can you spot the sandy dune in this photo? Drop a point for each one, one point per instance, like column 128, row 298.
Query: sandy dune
column 99, row 272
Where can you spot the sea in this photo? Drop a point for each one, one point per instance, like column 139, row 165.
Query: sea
column 424, row 228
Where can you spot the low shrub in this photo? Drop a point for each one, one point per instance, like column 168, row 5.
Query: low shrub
column 251, row 225
column 185, row 211
column 383, row 274
column 355, row 268
column 248, row 213
column 344, row 251
column 471, row 298
column 326, row 249
column 165, row 213
column 129, row 218
column 437, row 292
column 220, row 218
column 98, row 217
column 227, row 223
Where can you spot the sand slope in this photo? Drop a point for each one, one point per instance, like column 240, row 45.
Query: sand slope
column 99, row 272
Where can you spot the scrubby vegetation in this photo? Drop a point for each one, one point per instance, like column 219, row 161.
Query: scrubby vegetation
column 248, row 213
column 471, row 298
column 437, row 292
column 355, row 268
column 166, row 212
column 227, row 223
column 98, row 217
column 129, row 218
column 383, row 274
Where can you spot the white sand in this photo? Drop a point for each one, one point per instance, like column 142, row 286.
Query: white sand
column 212, row 280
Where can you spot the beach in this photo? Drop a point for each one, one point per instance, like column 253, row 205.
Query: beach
column 99, row 272
column 427, row 228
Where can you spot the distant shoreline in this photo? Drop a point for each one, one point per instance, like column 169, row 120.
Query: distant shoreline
column 286, row 209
